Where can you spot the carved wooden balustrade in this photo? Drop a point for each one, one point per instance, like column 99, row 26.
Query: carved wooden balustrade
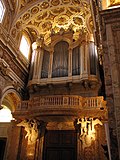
column 63, row 102
column 66, row 106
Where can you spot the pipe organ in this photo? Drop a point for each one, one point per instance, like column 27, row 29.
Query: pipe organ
column 64, row 59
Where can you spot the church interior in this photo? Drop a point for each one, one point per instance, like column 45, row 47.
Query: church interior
column 59, row 79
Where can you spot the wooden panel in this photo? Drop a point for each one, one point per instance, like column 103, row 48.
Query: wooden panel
column 2, row 147
column 52, row 154
column 60, row 145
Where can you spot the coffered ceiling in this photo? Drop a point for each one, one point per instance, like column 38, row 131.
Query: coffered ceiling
column 43, row 17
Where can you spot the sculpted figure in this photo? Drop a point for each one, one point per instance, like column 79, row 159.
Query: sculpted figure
column 31, row 127
column 88, row 130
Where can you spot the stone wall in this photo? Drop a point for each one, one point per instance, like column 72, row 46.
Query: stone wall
column 111, row 60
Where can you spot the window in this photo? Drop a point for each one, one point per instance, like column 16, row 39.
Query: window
column 25, row 46
column 2, row 10
column 5, row 114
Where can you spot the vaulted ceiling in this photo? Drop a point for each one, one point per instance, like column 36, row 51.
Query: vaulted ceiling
column 43, row 17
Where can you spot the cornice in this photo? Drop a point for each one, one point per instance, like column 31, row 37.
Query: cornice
column 7, row 42
column 110, row 15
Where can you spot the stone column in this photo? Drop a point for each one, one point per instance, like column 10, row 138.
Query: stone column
column 13, row 142
column 108, row 138
column 38, row 56
column 34, row 60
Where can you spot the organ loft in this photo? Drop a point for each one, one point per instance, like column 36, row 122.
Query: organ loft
column 59, row 80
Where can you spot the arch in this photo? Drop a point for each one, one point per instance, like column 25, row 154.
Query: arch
column 9, row 102
column 61, row 38
column 10, row 98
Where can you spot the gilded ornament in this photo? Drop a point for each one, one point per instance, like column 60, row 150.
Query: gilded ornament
column 34, row 10
column 62, row 20
column 58, row 10
column 68, row 13
column 76, row 2
column 26, row 16
column 45, row 14
column 51, row 16
column 114, row 2
column 46, row 26
column 41, row 16
column 13, row 32
column 77, row 20
column 91, row 22
column 65, row 1
column 44, row 5
column 55, row 2
column 33, row 33
column 18, row 24
column 73, row 10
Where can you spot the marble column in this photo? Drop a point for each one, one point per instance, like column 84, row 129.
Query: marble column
column 37, row 58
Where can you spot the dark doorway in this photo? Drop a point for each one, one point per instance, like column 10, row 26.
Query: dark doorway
column 2, row 147
column 60, row 145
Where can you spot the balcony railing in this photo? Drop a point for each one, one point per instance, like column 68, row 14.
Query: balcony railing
column 62, row 101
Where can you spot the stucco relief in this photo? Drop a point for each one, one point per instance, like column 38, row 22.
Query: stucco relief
column 44, row 17
column 34, row 129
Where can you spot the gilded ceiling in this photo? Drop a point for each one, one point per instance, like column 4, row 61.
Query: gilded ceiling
column 49, row 16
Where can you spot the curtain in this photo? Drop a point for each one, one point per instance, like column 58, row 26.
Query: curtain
column 45, row 64
column 60, row 60
column 76, row 61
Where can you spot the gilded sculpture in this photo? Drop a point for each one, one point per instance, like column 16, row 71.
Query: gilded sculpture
column 31, row 127
column 87, row 130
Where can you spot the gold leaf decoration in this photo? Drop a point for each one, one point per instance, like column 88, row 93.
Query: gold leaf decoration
column 18, row 24
column 13, row 32
column 46, row 26
column 44, row 5
column 55, row 2
column 78, row 20
column 58, row 10
column 34, row 10
column 26, row 16
column 76, row 2
column 65, row 1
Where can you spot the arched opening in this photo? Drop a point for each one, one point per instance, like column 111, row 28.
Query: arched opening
column 10, row 101
column 5, row 114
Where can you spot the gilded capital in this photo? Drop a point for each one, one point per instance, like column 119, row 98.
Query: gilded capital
column 38, row 43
